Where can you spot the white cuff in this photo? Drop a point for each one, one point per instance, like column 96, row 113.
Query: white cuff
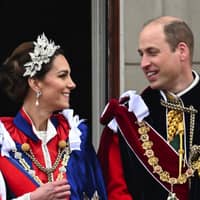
column 136, row 104
column 6, row 142
column 74, row 133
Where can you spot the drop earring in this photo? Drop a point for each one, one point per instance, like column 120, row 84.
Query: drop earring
column 38, row 94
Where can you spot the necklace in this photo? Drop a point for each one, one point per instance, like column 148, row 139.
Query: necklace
column 154, row 161
column 157, row 168
column 63, row 153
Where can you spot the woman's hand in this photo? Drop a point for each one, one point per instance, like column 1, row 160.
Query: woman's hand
column 52, row 191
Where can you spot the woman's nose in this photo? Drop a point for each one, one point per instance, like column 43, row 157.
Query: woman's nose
column 71, row 84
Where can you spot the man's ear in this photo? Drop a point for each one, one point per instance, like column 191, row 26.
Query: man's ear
column 183, row 51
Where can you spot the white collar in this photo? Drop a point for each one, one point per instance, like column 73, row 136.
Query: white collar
column 45, row 136
column 74, row 133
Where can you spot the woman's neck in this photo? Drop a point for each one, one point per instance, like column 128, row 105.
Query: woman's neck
column 38, row 117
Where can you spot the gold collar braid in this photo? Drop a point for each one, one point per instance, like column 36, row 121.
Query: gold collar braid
column 63, row 157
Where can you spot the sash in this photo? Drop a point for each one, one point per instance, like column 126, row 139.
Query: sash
column 19, row 175
column 168, row 158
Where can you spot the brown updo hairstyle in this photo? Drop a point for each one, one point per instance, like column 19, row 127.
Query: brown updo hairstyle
column 12, row 81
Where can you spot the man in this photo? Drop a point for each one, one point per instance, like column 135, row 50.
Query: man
column 150, row 146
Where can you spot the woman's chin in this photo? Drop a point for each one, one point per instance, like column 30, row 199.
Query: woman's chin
column 66, row 106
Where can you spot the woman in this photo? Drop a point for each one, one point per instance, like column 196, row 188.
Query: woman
column 45, row 154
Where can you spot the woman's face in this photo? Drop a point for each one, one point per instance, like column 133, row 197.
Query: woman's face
column 56, row 86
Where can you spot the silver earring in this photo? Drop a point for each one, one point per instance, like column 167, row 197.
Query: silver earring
column 38, row 94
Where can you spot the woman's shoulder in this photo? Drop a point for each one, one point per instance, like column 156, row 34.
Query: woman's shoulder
column 7, row 122
column 6, row 119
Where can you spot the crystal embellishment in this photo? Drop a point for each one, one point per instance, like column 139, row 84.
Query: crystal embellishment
column 43, row 51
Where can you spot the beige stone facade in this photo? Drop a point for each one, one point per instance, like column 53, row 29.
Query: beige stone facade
column 134, row 13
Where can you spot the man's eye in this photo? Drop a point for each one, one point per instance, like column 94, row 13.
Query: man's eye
column 153, row 53
column 140, row 53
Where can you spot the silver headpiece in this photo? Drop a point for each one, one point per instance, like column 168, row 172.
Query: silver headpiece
column 43, row 51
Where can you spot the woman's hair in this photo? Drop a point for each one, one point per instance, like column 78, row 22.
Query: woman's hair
column 13, row 80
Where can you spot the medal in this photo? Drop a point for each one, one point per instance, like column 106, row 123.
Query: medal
column 172, row 196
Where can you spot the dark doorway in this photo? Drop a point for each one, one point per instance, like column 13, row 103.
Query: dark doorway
column 68, row 23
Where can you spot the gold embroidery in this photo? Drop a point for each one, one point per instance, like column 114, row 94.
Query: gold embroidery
column 173, row 119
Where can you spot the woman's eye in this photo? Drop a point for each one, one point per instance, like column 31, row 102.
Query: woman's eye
column 63, row 75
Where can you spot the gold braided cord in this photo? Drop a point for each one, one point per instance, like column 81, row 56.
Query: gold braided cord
column 178, row 107
column 50, row 170
column 64, row 151
column 63, row 157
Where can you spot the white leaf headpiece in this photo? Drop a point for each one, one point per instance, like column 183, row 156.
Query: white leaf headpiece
column 43, row 51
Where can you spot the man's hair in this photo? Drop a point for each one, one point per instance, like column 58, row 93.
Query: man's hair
column 176, row 31
column 179, row 31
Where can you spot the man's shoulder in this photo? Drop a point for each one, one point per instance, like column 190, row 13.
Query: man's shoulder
column 148, row 92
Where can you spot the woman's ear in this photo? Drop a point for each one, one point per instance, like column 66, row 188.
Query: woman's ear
column 34, row 84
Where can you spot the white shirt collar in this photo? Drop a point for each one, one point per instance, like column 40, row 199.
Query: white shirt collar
column 45, row 136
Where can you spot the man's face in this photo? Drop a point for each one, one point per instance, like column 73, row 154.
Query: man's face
column 159, row 63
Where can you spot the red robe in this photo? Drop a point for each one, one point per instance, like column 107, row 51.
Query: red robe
column 110, row 155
